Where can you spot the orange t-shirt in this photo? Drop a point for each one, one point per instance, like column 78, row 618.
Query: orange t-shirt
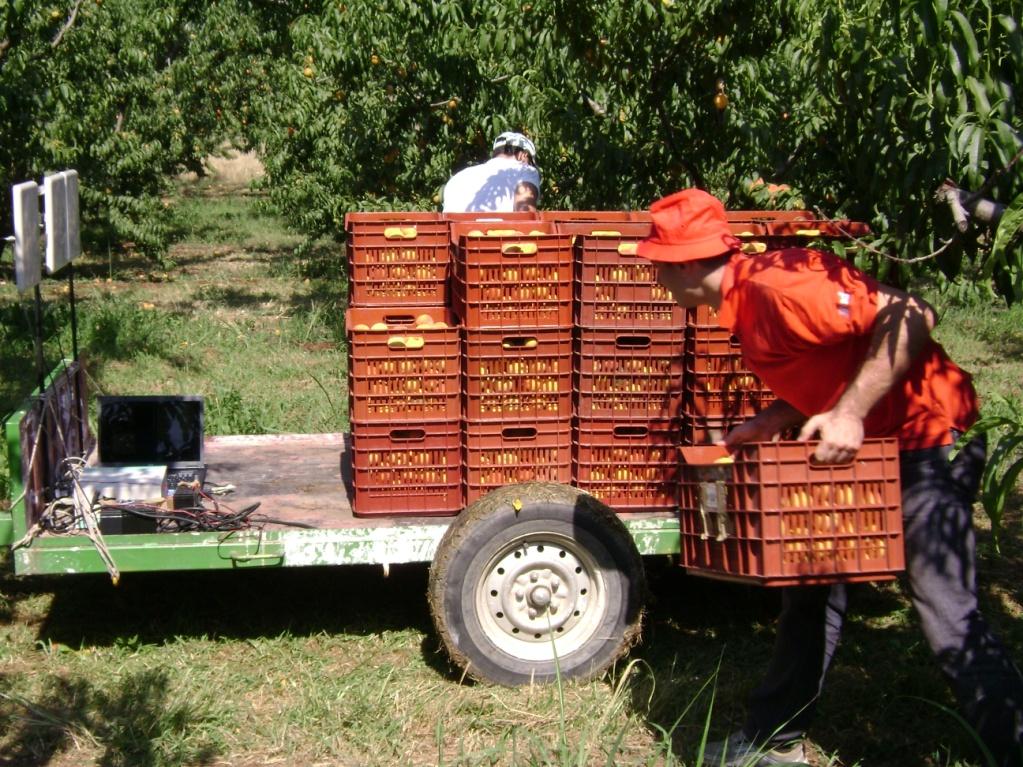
column 804, row 320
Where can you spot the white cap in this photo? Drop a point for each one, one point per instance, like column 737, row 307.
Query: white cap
column 516, row 140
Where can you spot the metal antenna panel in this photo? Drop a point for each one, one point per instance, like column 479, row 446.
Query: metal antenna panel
column 74, row 236
column 55, row 207
column 27, row 259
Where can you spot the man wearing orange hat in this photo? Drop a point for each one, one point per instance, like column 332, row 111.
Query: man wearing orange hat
column 848, row 357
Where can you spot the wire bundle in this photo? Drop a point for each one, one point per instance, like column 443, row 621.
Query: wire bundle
column 200, row 518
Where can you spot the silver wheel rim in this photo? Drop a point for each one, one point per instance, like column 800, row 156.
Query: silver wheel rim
column 539, row 594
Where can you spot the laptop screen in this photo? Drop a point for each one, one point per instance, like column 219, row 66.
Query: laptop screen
column 155, row 429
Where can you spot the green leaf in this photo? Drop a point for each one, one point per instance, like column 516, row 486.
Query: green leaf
column 979, row 92
column 1009, row 230
column 968, row 37
column 1008, row 481
column 976, row 144
column 1015, row 39
column 954, row 63
column 928, row 22
column 966, row 138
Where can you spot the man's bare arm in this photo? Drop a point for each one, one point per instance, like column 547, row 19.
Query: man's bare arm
column 526, row 196
column 901, row 328
column 766, row 425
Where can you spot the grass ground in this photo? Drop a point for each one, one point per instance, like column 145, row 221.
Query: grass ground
column 341, row 666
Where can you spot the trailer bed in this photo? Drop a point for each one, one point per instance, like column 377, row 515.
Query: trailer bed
column 298, row 479
column 302, row 483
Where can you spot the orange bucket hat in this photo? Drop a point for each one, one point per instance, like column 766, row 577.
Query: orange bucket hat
column 687, row 226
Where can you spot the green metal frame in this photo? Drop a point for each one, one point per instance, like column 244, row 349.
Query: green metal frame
column 12, row 522
column 12, row 444
column 382, row 544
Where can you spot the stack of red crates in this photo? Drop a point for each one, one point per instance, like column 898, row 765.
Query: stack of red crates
column 628, row 367
column 512, row 287
column 720, row 392
column 404, row 380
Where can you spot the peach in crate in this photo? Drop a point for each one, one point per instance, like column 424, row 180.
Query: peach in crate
column 770, row 514
column 404, row 364
column 397, row 258
column 410, row 469
column 630, row 466
column 518, row 373
column 512, row 276
column 629, row 374
column 499, row 454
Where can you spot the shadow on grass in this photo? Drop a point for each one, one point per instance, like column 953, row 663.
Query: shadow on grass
column 17, row 349
column 877, row 706
column 871, row 712
column 135, row 723
column 156, row 607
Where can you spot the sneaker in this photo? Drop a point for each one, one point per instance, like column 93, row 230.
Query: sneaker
column 739, row 751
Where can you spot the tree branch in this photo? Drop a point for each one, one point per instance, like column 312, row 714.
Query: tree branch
column 965, row 204
column 67, row 25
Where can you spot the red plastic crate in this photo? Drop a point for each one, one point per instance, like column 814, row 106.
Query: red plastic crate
column 519, row 275
column 761, row 231
column 630, row 466
column 518, row 374
column 397, row 258
column 489, row 216
column 407, row 469
column 698, row 430
column 615, row 288
column 629, row 374
column 794, row 234
column 711, row 348
column 725, row 394
column 702, row 316
column 815, row 228
column 765, row 216
column 498, row 454
column 405, row 372
column 775, row 518
column 561, row 216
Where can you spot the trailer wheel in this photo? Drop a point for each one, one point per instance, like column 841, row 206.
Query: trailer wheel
column 534, row 581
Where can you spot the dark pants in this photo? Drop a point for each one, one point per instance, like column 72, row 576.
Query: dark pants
column 937, row 500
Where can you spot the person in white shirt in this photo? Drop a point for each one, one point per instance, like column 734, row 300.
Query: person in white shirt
column 508, row 181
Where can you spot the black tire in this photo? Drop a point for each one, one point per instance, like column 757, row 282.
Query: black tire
column 530, row 568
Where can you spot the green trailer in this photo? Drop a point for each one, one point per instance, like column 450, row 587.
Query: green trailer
column 531, row 582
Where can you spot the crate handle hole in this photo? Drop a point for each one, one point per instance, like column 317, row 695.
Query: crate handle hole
column 632, row 342
column 519, row 432
column 405, row 342
column 631, row 431
column 518, row 249
column 400, row 233
column 519, row 342
column 815, row 464
column 408, row 435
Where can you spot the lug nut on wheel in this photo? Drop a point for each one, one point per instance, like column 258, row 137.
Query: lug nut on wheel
column 540, row 596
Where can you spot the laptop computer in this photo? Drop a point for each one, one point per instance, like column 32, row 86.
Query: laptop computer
column 151, row 429
column 156, row 429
